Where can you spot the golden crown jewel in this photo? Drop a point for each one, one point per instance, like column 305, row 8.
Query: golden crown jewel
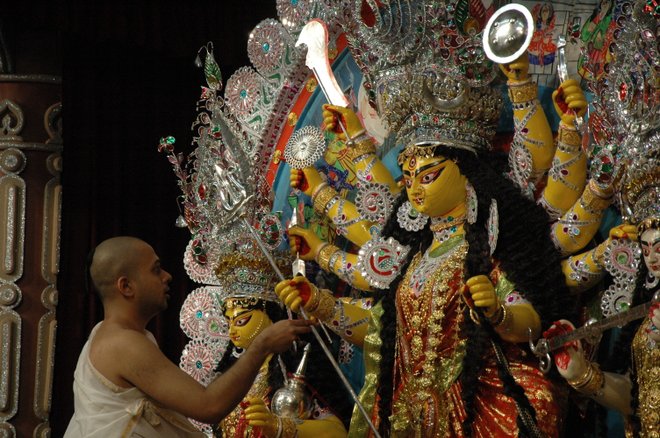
column 426, row 69
column 245, row 274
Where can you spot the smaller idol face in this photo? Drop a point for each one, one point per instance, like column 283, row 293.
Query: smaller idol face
column 435, row 185
column 650, row 241
column 245, row 324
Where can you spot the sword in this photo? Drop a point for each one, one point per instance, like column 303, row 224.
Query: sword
column 544, row 346
column 314, row 35
column 562, row 72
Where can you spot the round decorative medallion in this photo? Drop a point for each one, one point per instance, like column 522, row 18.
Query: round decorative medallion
column 379, row 261
column 304, row 147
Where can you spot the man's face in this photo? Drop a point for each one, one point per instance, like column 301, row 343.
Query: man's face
column 152, row 282
column 245, row 324
column 434, row 185
column 650, row 241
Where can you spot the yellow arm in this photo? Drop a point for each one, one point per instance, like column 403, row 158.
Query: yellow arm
column 579, row 224
column 567, row 176
column 329, row 257
column 329, row 427
column 348, row 318
column 533, row 146
column 271, row 426
column 583, row 271
column 513, row 321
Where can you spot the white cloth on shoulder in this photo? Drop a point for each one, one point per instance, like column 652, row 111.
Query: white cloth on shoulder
column 104, row 410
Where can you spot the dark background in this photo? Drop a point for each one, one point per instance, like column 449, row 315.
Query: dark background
column 128, row 79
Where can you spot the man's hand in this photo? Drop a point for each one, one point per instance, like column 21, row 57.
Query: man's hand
column 278, row 337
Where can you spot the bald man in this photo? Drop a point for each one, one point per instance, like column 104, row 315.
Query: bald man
column 124, row 386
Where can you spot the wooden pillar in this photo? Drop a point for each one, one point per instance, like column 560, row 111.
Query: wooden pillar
column 30, row 204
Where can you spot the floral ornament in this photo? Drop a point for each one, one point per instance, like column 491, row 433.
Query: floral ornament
column 472, row 203
column 270, row 230
column 199, row 359
column 242, row 91
column 295, row 13
column 621, row 259
column 374, row 201
column 493, row 226
column 409, row 218
column 379, row 261
column 305, row 147
column 197, row 269
column 199, row 317
column 266, row 45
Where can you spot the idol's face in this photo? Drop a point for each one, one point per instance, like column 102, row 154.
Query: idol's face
column 650, row 241
column 435, row 185
column 245, row 324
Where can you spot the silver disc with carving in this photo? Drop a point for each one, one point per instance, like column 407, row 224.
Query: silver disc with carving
column 305, row 147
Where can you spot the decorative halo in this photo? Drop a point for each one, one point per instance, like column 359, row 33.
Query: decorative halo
column 621, row 259
column 615, row 299
column 508, row 33
column 199, row 359
column 304, row 147
column 199, row 317
column 409, row 218
column 242, row 91
column 197, row 271
column 270, row 230
column 374, row 201
column 266, row 45
column 294, row 14
column 379, row 261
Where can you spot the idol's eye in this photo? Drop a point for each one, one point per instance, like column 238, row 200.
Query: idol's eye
column 431, row 176
column 243, row 320
column 408, row 182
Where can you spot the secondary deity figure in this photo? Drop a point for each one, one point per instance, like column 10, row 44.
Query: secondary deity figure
column 249, row 305
column 628, row 126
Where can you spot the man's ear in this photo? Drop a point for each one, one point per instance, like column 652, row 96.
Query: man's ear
column 124, row 286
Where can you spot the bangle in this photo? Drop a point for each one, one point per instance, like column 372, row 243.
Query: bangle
column 314, row 299
column 569, row 135
column 583, row 379
column 593, row 186
column 505, row 321
column 591, row 382
column 317, row 189
column 497, row 317
column 325, row 309
column 593, row 200
column 289, row 428
column 522, row 92
column 324, row 256
column 359, row 150
column 322, row 198
column 318, row 250
column 279, row 427
column 360, row 136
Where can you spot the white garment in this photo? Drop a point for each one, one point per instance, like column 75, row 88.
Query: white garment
column 105, row 410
